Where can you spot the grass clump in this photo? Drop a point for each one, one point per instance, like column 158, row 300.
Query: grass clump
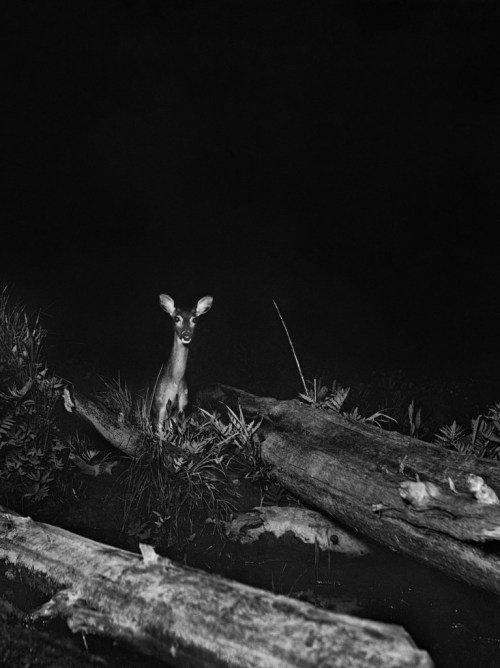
column 187, row 475
column 190, row 474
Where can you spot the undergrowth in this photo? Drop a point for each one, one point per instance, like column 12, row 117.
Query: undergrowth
column 32, row 452
column 333, row 398
column 408, row 401
column 189, row 473
column 483, row 439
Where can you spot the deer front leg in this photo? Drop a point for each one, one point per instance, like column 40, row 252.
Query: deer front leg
column 182, row 396
column 164, row 403
column 158, row 414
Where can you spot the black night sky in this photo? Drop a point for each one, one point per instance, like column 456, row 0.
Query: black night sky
column 338, row 157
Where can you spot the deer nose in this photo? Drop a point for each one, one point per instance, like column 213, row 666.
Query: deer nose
column 186, row 337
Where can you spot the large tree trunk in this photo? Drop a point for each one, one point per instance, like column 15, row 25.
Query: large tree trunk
column 362, row 475
column 188, row 617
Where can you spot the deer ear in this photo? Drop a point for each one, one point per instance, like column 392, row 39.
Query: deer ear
column 203, row 305
column 167, row 304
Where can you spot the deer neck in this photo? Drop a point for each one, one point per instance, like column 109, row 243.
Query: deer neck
column 178, row 359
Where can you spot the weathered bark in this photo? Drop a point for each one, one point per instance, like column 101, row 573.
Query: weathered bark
column 357, row 473
column 188, row 617
column 121, row 436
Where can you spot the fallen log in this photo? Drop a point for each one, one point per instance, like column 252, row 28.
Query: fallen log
column 359, row 474
column 122, row 436
column 188, row 617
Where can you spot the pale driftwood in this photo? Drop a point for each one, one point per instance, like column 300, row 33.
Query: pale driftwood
column 307, row 525
column 356, row 473
column 188, row 617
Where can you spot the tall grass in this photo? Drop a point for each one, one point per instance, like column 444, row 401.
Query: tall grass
column 187, row 474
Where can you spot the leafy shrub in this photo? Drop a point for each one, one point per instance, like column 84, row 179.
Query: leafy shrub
column 483, row 440
column 31, row 450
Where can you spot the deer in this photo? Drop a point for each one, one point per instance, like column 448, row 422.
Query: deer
column 170, row 396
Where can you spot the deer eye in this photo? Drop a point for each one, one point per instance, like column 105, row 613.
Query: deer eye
column 178, row 318
column 194, row 319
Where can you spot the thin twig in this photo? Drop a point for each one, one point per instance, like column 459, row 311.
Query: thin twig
column 291, row 346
